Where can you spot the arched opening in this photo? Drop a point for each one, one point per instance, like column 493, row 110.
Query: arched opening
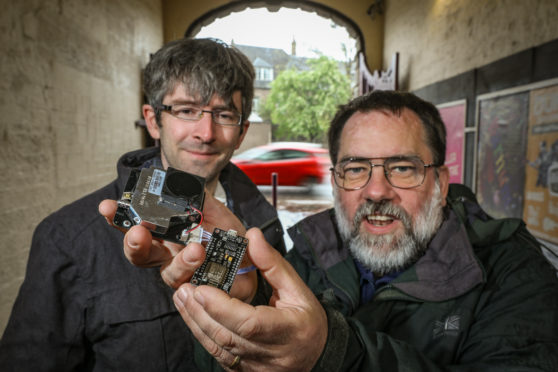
column 274, row 6
column 281, row 40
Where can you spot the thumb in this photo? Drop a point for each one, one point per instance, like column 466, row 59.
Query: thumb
column 279, row 273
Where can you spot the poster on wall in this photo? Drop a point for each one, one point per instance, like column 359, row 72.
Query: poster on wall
column 453, row 115
column 501, row 154
column 541, row 181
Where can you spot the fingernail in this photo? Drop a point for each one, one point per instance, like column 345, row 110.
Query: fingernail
column 190, row 260
column 199, row 298
column 182, row 295
column 177, row 302
column 132, row 244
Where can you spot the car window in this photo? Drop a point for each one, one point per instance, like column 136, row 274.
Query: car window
column 270, row 156
column 282, row 155
column 294, row 154
column 250, row 154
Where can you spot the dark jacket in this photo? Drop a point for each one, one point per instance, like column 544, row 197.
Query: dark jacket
column 83, row 306
column 482, row 298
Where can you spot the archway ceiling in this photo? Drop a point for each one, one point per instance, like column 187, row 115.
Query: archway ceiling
column 363, row 19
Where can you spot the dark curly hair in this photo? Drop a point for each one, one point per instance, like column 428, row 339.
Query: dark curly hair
column 394, row 102
column 205, row 66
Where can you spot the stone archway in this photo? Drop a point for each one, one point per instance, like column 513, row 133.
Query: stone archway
column 273, row 6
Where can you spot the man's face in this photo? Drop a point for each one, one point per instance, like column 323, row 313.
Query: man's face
column 388, row 227
column 203, row 147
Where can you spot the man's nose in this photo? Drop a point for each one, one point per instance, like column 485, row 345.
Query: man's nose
column 205, row 127
column 378, row 187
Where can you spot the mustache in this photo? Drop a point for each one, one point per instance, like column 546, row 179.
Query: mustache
column 383, row 207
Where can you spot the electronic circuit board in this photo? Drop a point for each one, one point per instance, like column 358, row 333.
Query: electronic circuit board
column 167, row 202
column 224, row 253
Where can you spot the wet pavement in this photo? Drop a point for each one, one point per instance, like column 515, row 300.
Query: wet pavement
column 295, row 203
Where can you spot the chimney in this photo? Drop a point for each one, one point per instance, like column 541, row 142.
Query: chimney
column 293, row 48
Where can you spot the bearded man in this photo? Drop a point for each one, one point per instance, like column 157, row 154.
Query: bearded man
column 405, row 273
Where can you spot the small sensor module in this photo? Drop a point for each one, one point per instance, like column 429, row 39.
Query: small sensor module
column 224, row 253
column 168, row 203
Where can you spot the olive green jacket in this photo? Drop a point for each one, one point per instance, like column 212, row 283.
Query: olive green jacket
column 482, row 298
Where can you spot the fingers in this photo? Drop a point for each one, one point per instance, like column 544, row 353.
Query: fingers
column 290, row 291
column 180, row 269
column 220, row 343
column 275, row 269
column 245, row 286
column 139, row 251
column 142, row 250
column 216, row 214
column 290, row 334
column 108, row 209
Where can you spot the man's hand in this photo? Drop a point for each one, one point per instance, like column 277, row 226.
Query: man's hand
column 178, row 263
column 287, row 335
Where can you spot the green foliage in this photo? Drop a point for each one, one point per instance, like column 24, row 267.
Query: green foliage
column 302, row 103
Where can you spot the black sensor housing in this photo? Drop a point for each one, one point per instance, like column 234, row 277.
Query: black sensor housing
column 168, row 203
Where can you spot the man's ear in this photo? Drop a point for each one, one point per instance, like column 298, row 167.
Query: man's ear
column 245, row 125
column 443, row 178
column 151, row 121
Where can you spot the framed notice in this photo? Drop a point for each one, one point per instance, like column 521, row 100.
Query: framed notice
column 541, row 181
column 502, row 130
column 453, row 115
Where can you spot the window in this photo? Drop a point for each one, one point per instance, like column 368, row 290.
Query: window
column 264, row 73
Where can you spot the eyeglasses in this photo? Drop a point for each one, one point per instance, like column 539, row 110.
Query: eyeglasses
column 400, row 171
column 192, row 113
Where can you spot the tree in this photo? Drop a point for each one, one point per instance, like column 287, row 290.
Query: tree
column 303, row 102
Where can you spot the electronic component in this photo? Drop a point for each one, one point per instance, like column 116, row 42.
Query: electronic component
column 224, row 253
column 168, row 203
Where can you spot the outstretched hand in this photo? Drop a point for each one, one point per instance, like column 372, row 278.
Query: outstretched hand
column 287, row 335
column 178, row 263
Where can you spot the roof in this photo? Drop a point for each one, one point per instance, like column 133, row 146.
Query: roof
column 271, row 57
column 258, row 62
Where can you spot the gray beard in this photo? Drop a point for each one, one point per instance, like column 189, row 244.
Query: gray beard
column 387, row 253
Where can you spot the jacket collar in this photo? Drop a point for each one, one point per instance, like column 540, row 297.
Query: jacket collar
column 135, row 159
column 449, row 267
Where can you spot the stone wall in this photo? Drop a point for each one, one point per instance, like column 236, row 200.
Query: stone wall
column 440, row 39
column 69, row 95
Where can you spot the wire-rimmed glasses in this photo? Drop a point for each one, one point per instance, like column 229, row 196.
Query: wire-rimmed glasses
column 404, row 172
column 193, row 113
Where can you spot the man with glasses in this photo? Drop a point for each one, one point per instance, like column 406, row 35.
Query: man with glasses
column 405, row 273
column 82, row 306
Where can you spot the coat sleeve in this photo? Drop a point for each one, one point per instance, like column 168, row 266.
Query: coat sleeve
column 46, row 325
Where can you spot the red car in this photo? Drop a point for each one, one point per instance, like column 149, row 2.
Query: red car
column 296, row 164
